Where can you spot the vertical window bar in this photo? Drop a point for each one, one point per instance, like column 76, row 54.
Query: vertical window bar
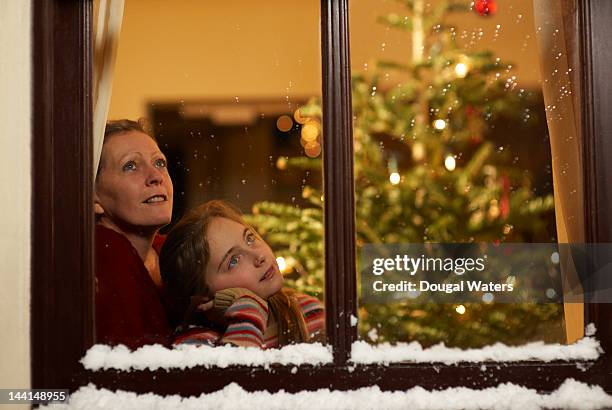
column 596, row 102
column 62, row 193
column 340, row 272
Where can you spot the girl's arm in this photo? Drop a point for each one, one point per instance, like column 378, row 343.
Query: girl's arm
column 246, row 315
column 242, row 314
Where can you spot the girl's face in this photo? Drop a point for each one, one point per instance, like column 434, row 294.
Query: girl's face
column 239, row 258
column 133, row 188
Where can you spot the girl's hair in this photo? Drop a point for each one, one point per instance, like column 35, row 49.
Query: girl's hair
column 183, row 261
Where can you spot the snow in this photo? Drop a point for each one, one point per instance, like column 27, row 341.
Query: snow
column 570, row 395
column 587, row 348
column 590, row 329
column 152, row 357
column 103, row 357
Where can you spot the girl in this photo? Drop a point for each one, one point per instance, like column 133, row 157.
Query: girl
column 225, row 285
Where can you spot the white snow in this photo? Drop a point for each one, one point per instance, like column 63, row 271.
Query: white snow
column 103, row 357
column 587, row 348
column 570, row 395
column 373, row 334
column 590, row 329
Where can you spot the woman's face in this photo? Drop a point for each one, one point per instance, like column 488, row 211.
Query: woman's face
column 133, row 190
column 239, row 258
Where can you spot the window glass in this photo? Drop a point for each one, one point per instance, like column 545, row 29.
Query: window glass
column 452, row 146
column 221, row 86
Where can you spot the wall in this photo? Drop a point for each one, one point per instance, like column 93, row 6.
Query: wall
column 192, row 49
column 195, row 50
column 15, row 185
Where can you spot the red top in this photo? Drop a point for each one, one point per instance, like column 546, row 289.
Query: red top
column 129, row 306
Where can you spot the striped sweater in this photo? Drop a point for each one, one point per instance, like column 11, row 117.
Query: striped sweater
column 249, row 322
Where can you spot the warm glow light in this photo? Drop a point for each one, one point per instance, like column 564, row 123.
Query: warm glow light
column 284, row 123
column 312, row 149
column 450, row 163
column 310, row 132
column 439, row 124
column 418, row 151
column 297, row 115
column 461, row 70
column 394, row 178
column 494, row 210
column 460, row 309
column 282, row 265
column 281, row 163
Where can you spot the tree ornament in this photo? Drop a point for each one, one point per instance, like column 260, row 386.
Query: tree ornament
column 475, row 139
column 471, row 111
column 485, row 7
column 504, row 203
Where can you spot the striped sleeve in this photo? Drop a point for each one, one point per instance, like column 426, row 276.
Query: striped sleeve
column 314, row 316
column 198, row 336
column 247, row 319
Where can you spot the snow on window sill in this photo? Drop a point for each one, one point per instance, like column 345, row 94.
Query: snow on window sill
column 153, row 357
column 587, row 348
column 570, row 395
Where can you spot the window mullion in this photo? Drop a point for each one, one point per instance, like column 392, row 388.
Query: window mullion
column 340, row 271
column 596, row 103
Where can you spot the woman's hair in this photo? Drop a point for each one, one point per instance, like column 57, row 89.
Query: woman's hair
column 124, row 125
column 119, row 127
column 183, row 261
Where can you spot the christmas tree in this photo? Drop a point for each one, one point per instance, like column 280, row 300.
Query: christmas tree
column 426, row 170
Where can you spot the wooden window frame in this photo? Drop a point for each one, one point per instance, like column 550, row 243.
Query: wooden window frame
column 62, row 309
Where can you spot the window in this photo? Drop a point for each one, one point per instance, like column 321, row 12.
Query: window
column 451, row 146
column 62, row 281
column 226, row 114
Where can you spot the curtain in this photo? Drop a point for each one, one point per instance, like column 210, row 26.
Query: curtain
column 108, row 15
column 557, row 37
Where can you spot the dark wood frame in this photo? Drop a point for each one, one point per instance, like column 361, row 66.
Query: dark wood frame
column 62, row 237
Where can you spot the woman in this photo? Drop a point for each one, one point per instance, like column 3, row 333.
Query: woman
column 213, row 254
column 133, row 200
